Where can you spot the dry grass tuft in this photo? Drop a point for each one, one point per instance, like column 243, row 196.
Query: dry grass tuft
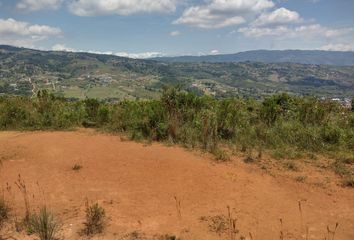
column 95, row 219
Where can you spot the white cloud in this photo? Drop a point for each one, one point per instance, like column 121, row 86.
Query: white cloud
column 175, row 33
column 23, row 33
column 222, row 13
column 35, row 5
column 214, row 52
column 143, row 55
column 338, row 47
column 279, row 16
column 63, row 48
column 305, row 31
column 120, row 7
column 139, row 55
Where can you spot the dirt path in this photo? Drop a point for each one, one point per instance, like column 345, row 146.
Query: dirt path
column 137, row 185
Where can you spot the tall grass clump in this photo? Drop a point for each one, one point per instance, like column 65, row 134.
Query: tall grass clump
column 44, row 224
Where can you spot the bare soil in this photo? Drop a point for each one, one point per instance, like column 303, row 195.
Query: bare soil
column 140, row 185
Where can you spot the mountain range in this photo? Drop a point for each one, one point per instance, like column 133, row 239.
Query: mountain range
column 273, row 56
column 79, row 75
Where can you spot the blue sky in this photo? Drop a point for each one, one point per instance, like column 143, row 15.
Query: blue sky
column 144, row 28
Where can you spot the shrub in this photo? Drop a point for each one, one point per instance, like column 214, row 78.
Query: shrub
column 348, row 182
column 340, row 168
column 95, row 219
column 44, row 225
column 290, row 165
column 221, row 155
column 76, row 167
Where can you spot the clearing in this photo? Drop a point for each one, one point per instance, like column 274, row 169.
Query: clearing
column 138, row 185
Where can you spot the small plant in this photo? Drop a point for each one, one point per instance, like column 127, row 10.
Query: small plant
column 4, row 211
column 291, row 166
column 178, row 207
column 95, row 219
column 340, row 168
column 76, row 167
column 217, row 224
column 348, row 182
column 332, row 233
column 167, row 237
column 20, row 183
column 300, row 178
column 221, row 155
column 249, row 159
column 44, row 224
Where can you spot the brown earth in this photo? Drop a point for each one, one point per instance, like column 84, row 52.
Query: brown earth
column 137, row 185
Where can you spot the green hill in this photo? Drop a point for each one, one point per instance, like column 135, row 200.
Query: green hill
column 274, row 56
column 80, row 75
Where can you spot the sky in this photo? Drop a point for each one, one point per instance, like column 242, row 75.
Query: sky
column 148, row 28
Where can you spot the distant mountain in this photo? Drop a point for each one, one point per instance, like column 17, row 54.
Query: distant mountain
column 273, row 56
column 80, row 75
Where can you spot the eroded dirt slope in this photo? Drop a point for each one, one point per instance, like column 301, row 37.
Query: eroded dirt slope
column 138, row 185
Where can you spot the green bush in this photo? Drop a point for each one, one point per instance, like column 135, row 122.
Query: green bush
column 44, row 225
column 95, row 219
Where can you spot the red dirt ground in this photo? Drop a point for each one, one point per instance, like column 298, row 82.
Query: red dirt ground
column 137, row 185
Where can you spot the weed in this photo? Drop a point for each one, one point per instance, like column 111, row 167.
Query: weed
column 221, row 155
column 44, row 224
column 20, row 183
column 281, row 236
column 95, row 219
column 301, row 178
column 312, row 156
column 286, row 154
column 168, row 237
column 178, row 207
column 332, row 233
column 76, row 167
column 217, row 224
column 290, row 165
column 348, row 182
column 346, row 159
column 4, row 211
column 340, row 168
column 249, row 159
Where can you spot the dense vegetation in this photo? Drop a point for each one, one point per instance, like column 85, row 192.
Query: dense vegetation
column 181, row 117
column 85, row 75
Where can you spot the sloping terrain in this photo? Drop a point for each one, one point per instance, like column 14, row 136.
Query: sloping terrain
column 274, row 56
column 138, row 185
column 80, row 75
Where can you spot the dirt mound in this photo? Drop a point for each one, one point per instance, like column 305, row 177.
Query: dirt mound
column 153, row 190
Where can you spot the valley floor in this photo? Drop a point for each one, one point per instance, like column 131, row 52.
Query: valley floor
column 138, row 185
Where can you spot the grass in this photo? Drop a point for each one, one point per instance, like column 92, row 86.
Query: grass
column 340, row 168
column 290, row 165
column 301, row 179
column 285, row 153
column 348, row 182
column 95, row 219
column 221, row 155
column 4, row 211
column 44, row 224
